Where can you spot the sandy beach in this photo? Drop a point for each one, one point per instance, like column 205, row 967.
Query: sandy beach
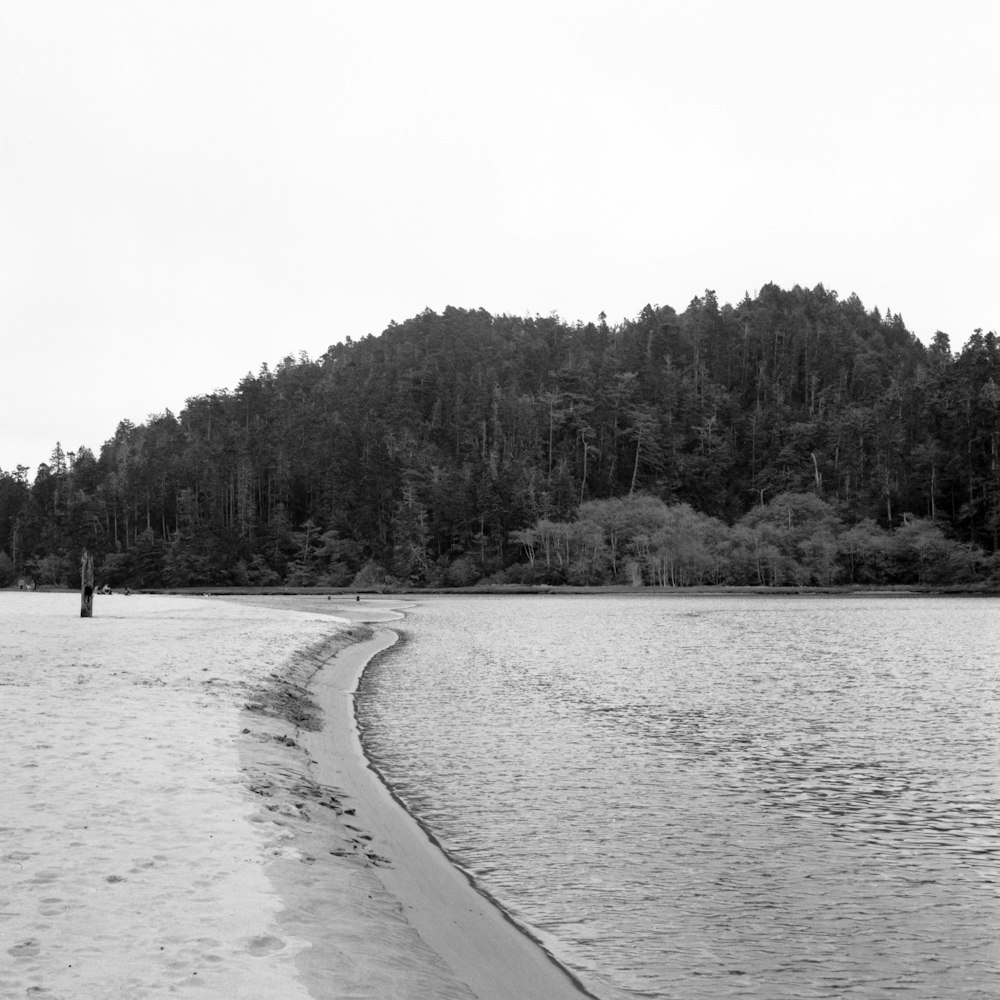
column 186, row 807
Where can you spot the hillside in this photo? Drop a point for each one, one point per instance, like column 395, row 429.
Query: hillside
column 792, row 438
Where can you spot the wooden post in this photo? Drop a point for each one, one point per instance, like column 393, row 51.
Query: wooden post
column 87, row 586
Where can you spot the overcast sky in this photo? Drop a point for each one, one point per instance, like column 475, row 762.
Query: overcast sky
column 190, row 189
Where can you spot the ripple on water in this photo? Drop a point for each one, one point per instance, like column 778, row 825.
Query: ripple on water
column 714, row 797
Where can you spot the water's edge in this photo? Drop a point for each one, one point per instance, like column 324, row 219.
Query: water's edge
column 583, row 761
column 381, row 776
column 468, row 930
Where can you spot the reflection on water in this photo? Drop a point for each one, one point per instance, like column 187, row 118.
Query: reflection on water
column 715, row 797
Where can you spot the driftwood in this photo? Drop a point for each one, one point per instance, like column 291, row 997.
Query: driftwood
column 87, row 586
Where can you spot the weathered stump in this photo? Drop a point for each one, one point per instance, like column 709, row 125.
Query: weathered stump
column 87, row 586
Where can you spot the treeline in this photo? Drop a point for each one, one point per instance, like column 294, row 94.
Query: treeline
column 795, row 540
column 792, row 438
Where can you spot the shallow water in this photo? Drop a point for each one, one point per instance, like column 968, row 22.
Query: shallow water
column 705, row 797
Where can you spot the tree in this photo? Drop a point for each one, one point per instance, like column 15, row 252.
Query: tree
column 302, row 571
column 410, row 534
column 864, row 553
column 686, row 549
column 798, row 531
column 921, row 553
column 461, row 439
column 8, row 572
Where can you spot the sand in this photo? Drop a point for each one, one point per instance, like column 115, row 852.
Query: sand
column 185, row 808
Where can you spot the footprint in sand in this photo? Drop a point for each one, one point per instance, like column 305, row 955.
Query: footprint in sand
column 28, row 948
column 17, row 856
column 265, row 944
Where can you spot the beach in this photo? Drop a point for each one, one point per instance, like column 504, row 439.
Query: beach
column 187, row 807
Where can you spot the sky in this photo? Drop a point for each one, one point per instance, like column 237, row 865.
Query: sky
column 189, row 190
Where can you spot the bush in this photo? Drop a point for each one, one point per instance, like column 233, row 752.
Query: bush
column 337, row 575
column 260, row 574
column 463, row 572
column 923, row 554
column 371, row 576
column 53, row 571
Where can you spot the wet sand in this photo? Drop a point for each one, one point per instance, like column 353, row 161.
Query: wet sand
column 186, row 806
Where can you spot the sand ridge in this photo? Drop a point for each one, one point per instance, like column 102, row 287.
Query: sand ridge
column 479, row 945
column 185, row 806
column 135, row 859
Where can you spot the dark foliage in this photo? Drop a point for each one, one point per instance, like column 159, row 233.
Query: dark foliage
column 795, row 437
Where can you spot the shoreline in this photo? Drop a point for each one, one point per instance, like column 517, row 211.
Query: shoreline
column 467, row 931
column 178, row 814
column 617, row 590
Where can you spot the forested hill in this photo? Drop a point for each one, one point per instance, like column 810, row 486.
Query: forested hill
column 792, row 438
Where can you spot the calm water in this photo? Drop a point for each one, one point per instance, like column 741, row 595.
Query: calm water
column 714, row 797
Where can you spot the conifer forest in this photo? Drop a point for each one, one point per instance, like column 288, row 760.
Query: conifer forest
column 793, row 439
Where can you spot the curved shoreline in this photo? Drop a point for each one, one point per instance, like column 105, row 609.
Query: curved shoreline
column 475, row 937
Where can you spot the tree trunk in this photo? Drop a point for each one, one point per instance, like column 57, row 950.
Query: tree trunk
column 87, row 586
column 635, row 467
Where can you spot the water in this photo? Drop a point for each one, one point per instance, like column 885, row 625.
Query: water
column 706, row 797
